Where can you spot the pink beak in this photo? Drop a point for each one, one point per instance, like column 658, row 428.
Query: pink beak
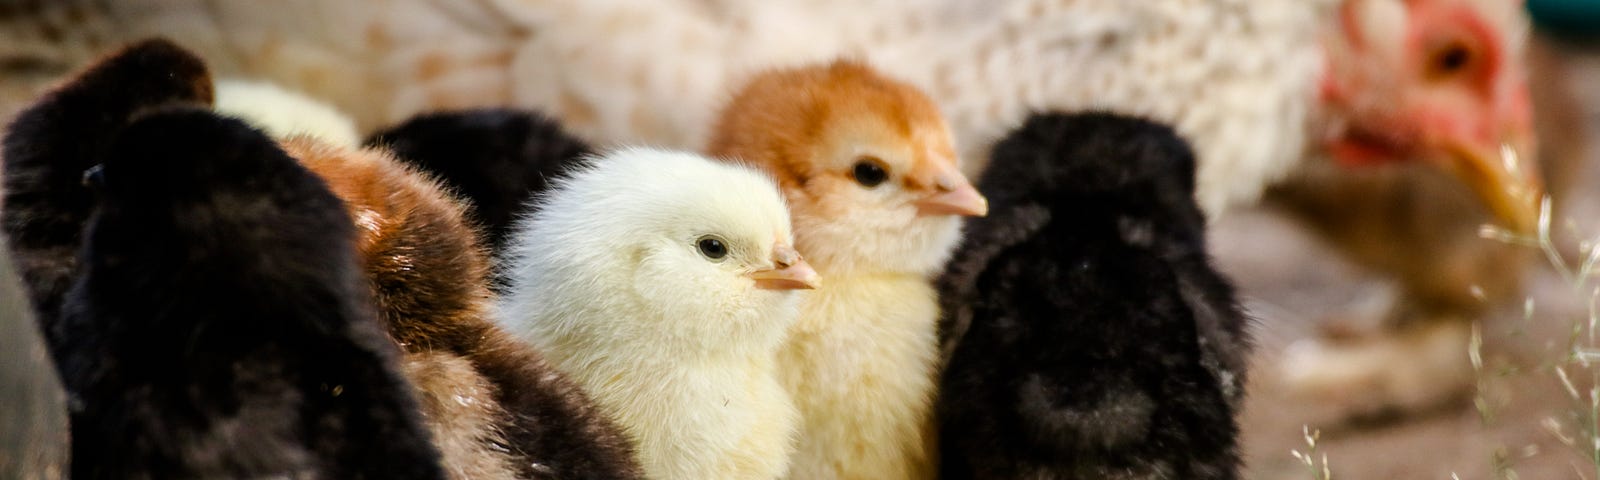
column 790, row 272
column 954, row 196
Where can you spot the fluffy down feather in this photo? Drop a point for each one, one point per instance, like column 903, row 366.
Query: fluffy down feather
column 161, row 387
column 495, row 159
column 648, row 288
column 1093, row 342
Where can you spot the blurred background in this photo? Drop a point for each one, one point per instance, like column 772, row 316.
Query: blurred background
column 1518, row 421
column 1415, row 342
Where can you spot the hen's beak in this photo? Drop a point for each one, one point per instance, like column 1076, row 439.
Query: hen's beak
column 790, row 272
column 953, row 195
column 1506, row 180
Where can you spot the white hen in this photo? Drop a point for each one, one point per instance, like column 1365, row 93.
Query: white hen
column 1240, row 78
column 1235, row 75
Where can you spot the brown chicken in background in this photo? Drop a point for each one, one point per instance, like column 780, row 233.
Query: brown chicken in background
column 1423, row 228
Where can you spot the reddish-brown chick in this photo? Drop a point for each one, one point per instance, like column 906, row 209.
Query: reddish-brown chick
column 876, row 193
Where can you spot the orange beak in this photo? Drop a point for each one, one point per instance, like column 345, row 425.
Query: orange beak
column 954, row 195
column 789, row 272
column 1506, row 180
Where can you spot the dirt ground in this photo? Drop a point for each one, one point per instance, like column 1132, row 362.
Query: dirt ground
column 1290, row 282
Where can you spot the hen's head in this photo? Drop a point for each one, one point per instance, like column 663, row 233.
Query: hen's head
column 1437, row 81
column 866, row 162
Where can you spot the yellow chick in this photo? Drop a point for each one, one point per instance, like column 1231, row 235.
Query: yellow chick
column 876, row 193
column 664, row 284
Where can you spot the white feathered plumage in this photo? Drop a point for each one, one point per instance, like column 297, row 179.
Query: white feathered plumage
column 1236, row 76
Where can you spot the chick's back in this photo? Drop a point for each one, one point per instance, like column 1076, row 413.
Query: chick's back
column 495, row 159
column 499, row 410
column 1088, row 334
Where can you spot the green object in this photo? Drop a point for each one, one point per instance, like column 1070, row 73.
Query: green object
column 1574, row 18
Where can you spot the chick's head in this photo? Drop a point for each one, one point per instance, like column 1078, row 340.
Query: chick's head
column 649, row 245
column 866, row 162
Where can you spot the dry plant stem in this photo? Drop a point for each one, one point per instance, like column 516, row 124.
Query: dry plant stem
column 1316, row 465
column 1582, row 350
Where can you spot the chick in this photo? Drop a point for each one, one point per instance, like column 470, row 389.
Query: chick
column 220, row 311
column 498, row 409
column 215, row 308
column 877, row 193
column 496, row 159
column 48, row 146
column 1091, row 336
column 45, row 208
column 284, row 113
column 663, row 282
column 33, row 433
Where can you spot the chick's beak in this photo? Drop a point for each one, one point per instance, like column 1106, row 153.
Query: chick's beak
column 1505, row 178
column 953, row 195
column 789, row 272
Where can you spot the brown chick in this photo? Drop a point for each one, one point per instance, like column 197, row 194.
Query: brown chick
column 495, row 408
column 876, row 194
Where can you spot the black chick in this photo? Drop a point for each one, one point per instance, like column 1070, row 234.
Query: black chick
column 49, row 145
column 496, row 159
column 33, row 432
column 209, row 317
column 228, row 328
column 1087, row 334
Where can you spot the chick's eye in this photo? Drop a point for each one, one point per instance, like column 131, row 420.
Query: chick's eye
column 94, row 177
column 869, row 172
column 712, row 248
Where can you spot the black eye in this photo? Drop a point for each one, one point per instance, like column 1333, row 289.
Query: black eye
column 869, row 172
column 712, row 248
column 94, row 177
column 1451, row 59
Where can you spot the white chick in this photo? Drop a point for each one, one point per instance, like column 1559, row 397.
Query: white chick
column 283, row 113
column 664, row 283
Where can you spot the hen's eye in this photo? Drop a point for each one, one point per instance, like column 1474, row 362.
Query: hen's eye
column 869, row 172
column 1453, row 58
column 712, row 248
